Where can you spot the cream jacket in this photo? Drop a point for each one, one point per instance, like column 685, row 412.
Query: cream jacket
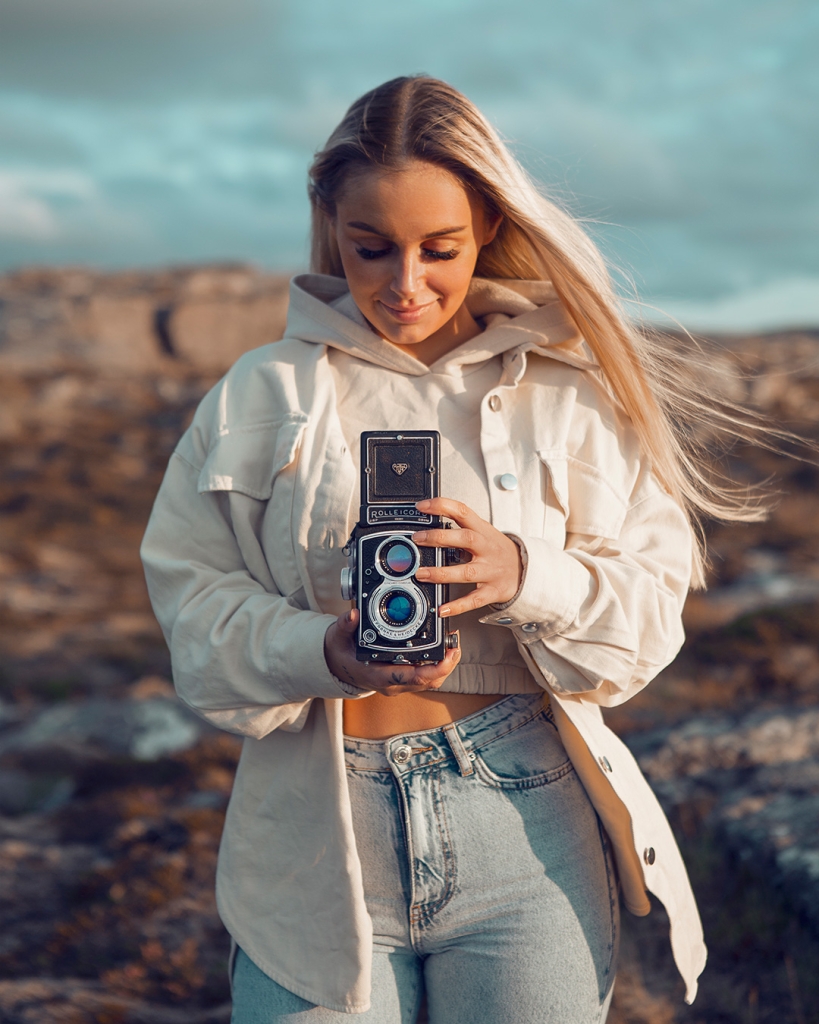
column 242, row 554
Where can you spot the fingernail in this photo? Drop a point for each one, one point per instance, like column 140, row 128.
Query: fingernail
column 422, row 506
column 419, row 537
column 444, row 611
column 422, row 574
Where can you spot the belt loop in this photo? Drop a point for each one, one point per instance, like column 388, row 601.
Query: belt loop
column 459, row 750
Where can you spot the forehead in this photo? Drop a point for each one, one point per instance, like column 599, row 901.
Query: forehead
column 418, row 197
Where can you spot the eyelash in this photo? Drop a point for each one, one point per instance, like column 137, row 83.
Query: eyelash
column 374, row 254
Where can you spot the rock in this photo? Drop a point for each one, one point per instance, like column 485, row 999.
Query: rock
column 15, row 791
column 760, row 738
column 220, row 317
column 60, row 1000
column 143, row 730
column 765, row 581
column 757, row 777
column 156, row 322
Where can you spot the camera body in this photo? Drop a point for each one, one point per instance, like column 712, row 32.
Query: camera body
column 398, row 621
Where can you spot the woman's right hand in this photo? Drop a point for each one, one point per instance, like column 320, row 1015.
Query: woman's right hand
column 339, row 653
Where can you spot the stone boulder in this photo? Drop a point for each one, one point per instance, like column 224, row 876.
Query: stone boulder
column 753, row 781
column 188, row 320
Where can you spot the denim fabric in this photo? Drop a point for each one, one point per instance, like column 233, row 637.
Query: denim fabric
column 487, row 876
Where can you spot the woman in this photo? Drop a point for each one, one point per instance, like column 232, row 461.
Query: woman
column 451, row 828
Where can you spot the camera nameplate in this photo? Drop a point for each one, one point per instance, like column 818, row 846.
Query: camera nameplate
column 397, row 514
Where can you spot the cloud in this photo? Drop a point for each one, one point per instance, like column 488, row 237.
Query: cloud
column 776, row 305
column 96, row 15
column 29, row 201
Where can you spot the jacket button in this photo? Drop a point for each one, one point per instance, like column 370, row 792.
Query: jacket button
column 649, row 856
column 605, row 764
column 505, row 621
column 402, row 754
column 530, row 627
column 508, row 482
column 495, row 403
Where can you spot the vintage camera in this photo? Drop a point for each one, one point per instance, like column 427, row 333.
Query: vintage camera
column 399, row 620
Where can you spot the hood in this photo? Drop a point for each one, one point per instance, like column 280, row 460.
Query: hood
column 518, row 317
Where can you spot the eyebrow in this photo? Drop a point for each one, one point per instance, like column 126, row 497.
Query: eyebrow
column 433, row 234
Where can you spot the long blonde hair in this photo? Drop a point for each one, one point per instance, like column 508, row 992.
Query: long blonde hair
column 422, row 118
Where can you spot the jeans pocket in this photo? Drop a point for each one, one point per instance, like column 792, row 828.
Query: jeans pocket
column 530, row 755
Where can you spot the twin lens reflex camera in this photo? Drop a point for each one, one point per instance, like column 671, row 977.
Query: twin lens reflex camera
column 399, row 620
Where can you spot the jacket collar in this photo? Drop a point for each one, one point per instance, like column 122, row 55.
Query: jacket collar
column 519, row 317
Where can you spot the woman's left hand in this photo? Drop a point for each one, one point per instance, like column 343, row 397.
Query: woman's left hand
column 495, row 567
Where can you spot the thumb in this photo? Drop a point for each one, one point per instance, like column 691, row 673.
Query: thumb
column 348, row 621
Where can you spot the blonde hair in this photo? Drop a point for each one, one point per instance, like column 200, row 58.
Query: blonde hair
column 422, row 118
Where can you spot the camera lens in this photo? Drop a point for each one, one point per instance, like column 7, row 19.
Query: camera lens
column 397, row 607
column 398, row 558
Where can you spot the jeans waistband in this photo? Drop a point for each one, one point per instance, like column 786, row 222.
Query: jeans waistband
column 410, row 751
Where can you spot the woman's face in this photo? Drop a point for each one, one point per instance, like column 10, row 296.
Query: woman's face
column 409, row 240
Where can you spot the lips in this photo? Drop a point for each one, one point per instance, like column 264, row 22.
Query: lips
column 407, row 314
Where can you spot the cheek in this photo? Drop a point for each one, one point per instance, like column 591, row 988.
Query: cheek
column 362, row 275
column 451, row 281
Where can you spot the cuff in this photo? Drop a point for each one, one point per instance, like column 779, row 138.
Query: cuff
column 552, row 589
column 299, row 666
column 351, row 690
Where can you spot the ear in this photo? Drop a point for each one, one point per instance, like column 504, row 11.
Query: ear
column 491, row 225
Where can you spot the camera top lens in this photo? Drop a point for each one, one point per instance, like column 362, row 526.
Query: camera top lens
column 398, row 558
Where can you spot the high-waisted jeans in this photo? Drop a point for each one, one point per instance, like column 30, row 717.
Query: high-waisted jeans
column 487, row 875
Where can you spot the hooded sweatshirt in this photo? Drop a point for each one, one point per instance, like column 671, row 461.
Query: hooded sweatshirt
column 242, row 557
column 447, row 394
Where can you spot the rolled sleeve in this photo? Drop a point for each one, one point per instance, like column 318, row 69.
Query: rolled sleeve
column 603, row 616
column 552, row 590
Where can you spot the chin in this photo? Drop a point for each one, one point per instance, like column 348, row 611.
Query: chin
column 407, row 337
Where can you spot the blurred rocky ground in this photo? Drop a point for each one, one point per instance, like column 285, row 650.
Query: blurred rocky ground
column 112, row 795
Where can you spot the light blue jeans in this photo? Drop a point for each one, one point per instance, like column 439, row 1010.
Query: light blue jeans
column 487, row 875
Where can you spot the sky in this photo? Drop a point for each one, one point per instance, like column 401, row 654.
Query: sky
column 175, row 131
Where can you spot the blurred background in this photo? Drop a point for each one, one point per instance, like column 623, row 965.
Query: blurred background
column 138, row 134
column 153, row 162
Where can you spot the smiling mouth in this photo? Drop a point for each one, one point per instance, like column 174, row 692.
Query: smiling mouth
column 408, row 314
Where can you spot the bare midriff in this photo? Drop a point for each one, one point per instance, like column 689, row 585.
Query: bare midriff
column 379, row 717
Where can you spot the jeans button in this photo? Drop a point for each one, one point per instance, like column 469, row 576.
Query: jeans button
column 494, row 403
column 530, row 627
column 649, row 856
column 604, row 764
column 402, row 754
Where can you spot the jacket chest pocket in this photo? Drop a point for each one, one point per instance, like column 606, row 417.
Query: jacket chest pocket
column 259, row 462
column 578, row 499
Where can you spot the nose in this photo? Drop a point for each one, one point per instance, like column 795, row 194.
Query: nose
column 408, row 273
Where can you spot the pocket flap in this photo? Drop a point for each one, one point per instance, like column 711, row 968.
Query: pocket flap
column 556, row 461
column 248, row 459
column 589, row 502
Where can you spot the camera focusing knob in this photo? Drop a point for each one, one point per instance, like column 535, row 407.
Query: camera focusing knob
column 347, row 583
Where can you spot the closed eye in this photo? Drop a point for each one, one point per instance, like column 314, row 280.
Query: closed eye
column 434, row 254
column 371, row 254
